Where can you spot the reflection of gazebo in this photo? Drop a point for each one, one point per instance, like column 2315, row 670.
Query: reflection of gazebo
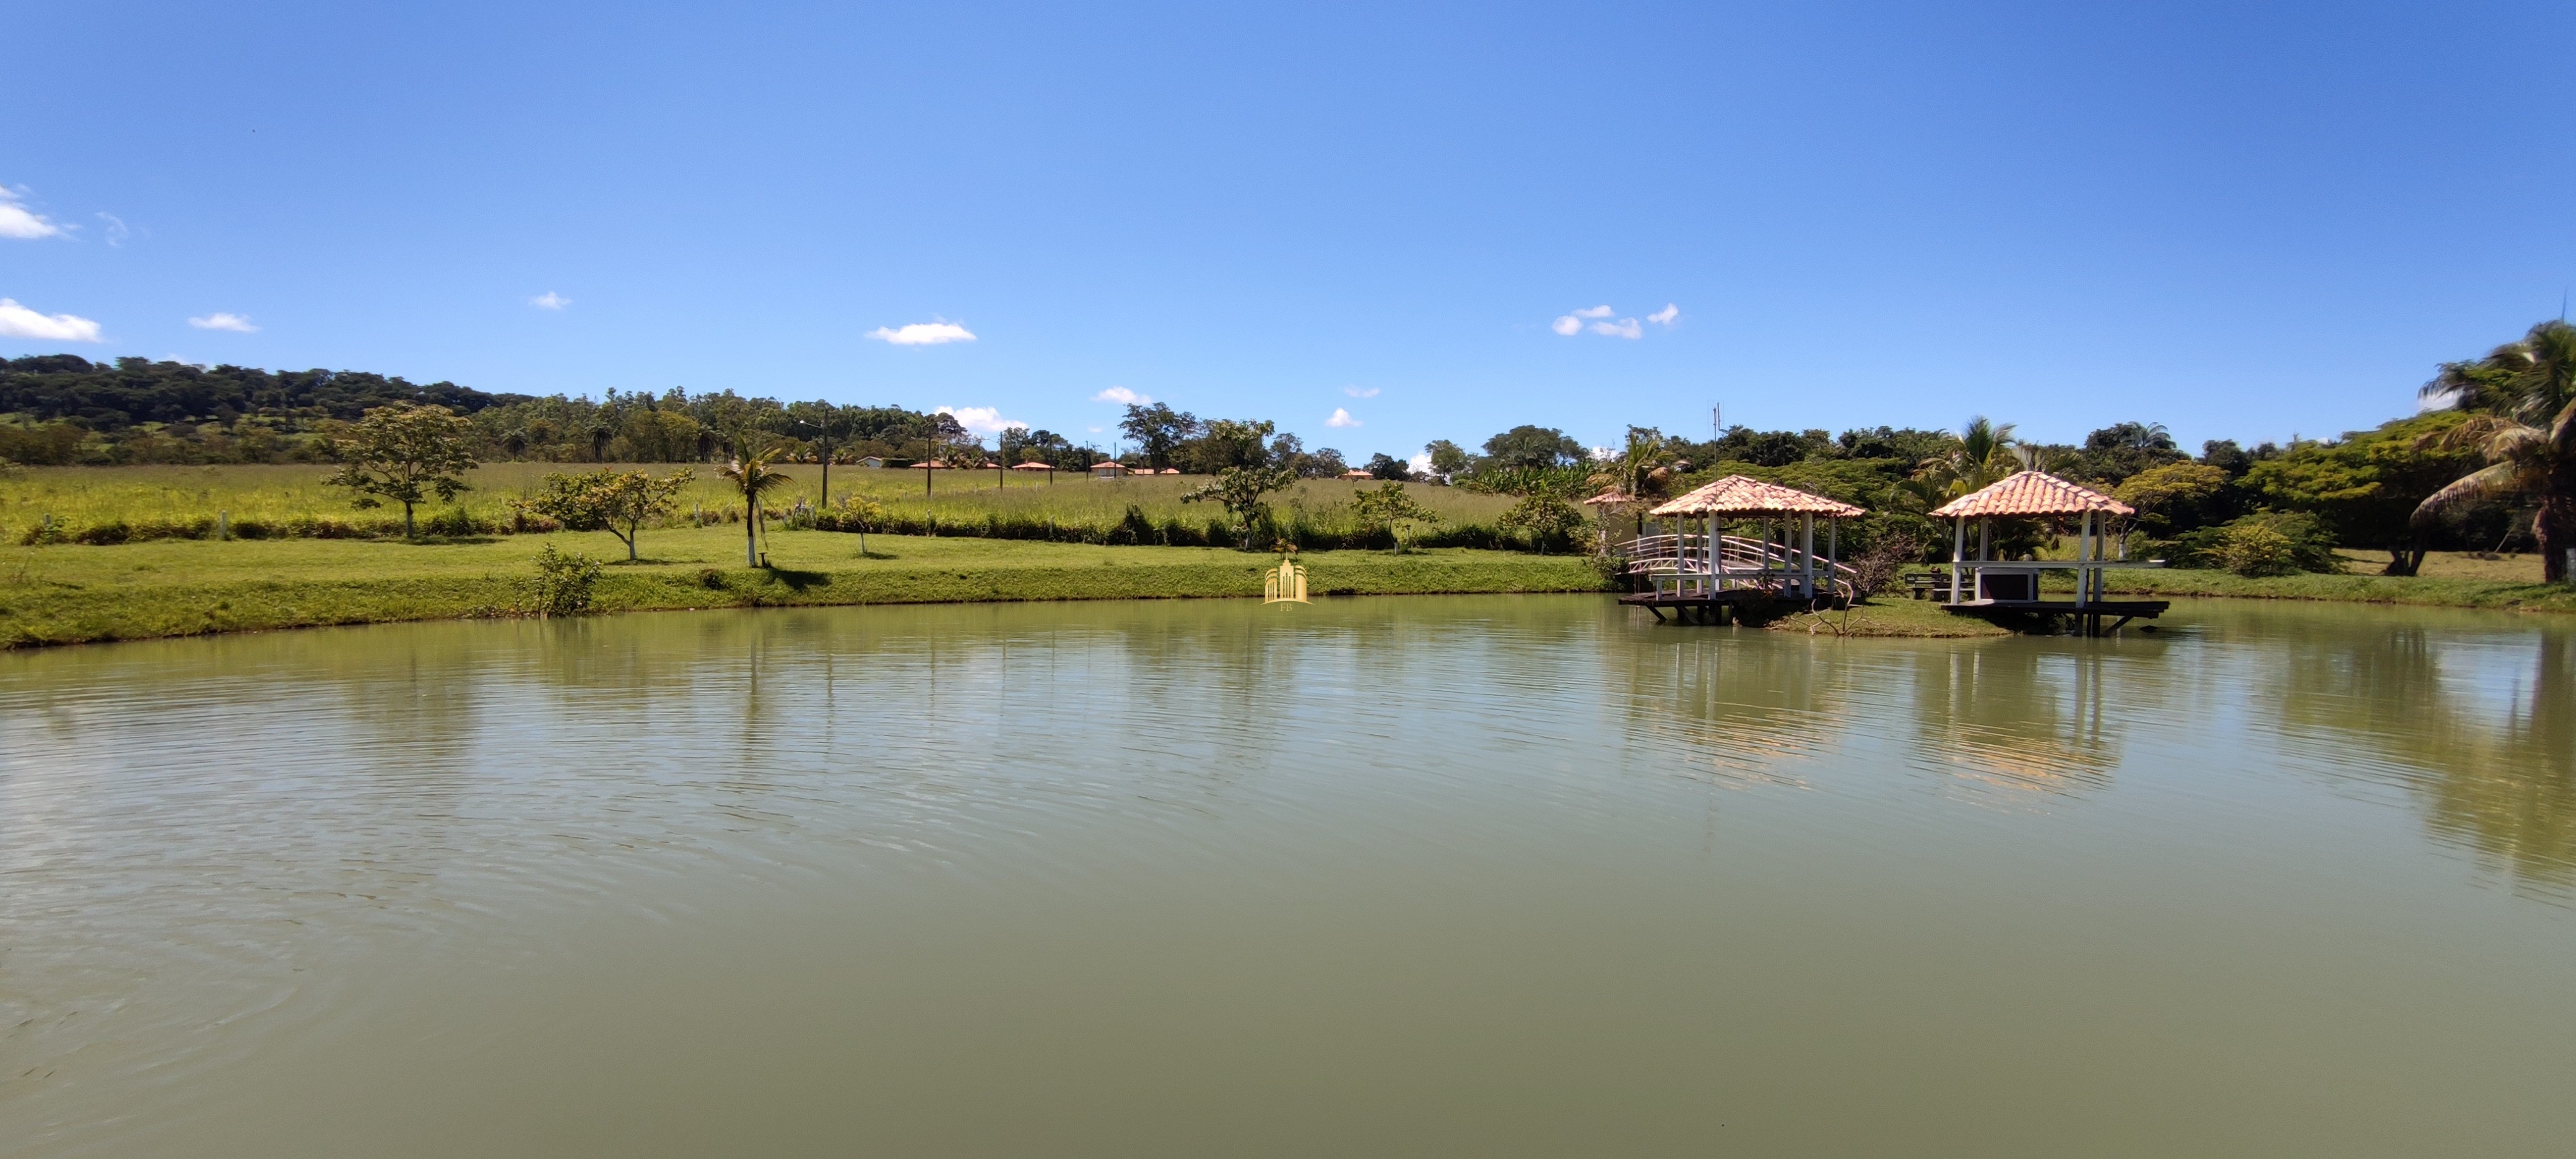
column 1693, row 563
column 1985, row 584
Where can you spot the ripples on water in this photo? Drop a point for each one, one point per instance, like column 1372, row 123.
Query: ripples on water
column 201, row 840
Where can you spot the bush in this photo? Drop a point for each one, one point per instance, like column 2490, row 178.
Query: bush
column 2262, row 544
column 46, row 529
column 563, row 583
column 454, row 522
column 111, row 532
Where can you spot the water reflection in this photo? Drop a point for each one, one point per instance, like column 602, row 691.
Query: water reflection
column 2480, row 725
column 193, row 832
column 2023, row 715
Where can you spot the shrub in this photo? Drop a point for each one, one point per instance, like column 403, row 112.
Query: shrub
column 453, row 522
column 2266, row 543
column 563, row 584
column 46, row 529
column 110, row 532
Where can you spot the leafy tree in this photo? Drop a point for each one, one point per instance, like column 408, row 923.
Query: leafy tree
column 1771, row 448
column 2368, row 486
column 611, row 501
column 2173, row 498
column 1904, row 444
column 404, row 453
column 1157, row 430
column 1531, row 446
column 1325, row 463
column 1390, row 507
column 752, row 478
column 1544, row 518
column 2120, row 450
column 2225, row 455
column 1447, row 458
column 1385, row 466
column 861, row 514
column 1242, row 491
column 1224, row 443
column 2521, row 399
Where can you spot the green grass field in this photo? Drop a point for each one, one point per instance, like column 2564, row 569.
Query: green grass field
column 68, row 593
column 83, row 497
column 65, row 593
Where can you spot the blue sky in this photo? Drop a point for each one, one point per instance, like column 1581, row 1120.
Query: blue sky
column 2240, row 220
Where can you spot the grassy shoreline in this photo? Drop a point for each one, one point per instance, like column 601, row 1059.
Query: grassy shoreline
column 66, row 594
column 70, row 593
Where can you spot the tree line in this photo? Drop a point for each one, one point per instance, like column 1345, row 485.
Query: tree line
column 2489, row 465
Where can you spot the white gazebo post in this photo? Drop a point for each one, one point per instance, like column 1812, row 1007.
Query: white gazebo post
column 1807, row 552
column 1958, row 554
column 1833, row 553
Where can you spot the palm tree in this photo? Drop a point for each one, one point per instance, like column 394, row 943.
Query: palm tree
column 1631, row 471
column 2523, row 397
column 752, row 478
column 1983, row 456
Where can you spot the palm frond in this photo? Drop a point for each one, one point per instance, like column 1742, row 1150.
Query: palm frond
column 2477, row 486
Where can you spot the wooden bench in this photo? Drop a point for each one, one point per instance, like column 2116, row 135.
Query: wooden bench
column 1921, row 585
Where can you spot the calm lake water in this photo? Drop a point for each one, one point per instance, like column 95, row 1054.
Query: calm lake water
column 1474, row 876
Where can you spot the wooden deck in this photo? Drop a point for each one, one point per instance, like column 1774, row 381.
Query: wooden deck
column 2088, row 617
column 1698, row 607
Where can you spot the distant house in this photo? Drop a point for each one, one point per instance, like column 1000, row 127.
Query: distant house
column 1356, row 473
column 873, row 462
column 1108, row 469
column 1033, row 466
column 1171, row 470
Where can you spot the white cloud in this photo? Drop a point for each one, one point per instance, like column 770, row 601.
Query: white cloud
column 1341, row 418
column 983, row 420
column 1420, row 464
column 1597, row 320
column 1122, row 396
column 18, row 221
column 923, row 334
column 116, row 230
column 1572, row 324
column 219, row 320
column 1357, row 392
column 550, row 300
column 17, row 321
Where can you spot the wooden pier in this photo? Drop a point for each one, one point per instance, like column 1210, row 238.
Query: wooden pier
column 1700, row 606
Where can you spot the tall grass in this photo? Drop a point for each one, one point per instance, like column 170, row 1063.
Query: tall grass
column 90, row 503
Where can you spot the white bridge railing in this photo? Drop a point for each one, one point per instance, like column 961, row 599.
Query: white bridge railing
column 1683, row 565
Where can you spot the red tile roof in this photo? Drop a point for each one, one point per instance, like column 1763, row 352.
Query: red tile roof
column 2031, row 493
column 1737, row 495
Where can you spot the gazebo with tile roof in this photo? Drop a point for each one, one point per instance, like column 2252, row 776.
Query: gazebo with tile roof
column 1703, row 560
column 1987, row 583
